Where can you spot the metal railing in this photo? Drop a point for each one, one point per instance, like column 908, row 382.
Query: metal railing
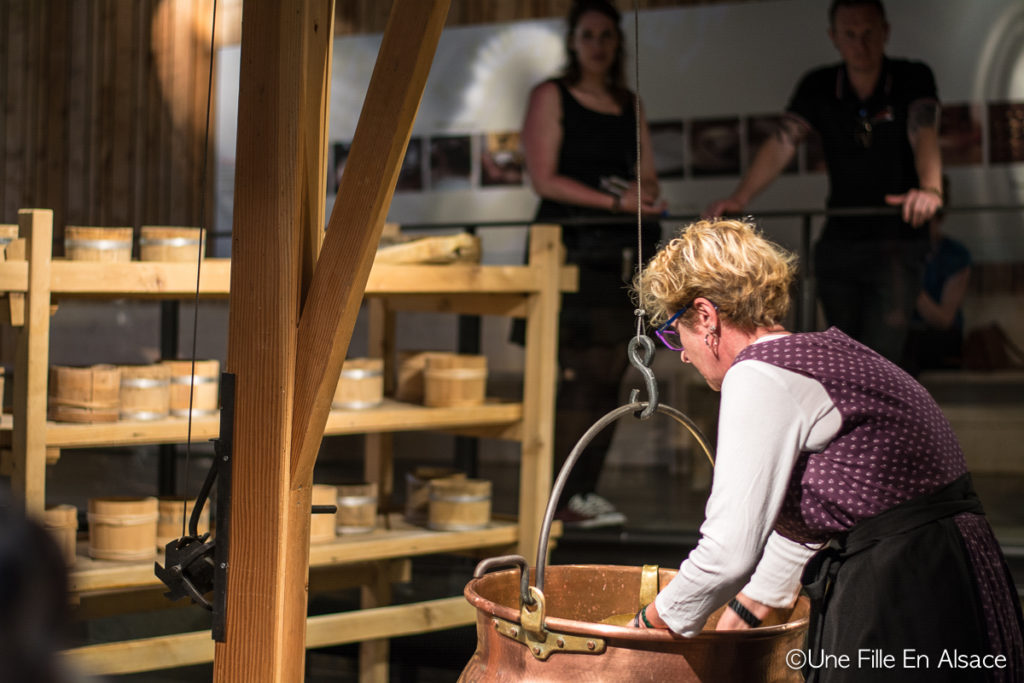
column 804, row 312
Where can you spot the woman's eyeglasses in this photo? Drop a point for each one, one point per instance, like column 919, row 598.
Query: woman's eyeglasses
column 668, row 335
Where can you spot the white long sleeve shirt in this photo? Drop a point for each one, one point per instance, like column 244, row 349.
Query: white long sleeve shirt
column 768, row 416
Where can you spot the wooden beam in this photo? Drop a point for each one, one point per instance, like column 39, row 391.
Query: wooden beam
column 540, row 373
column 374, row 654
column 388, row 622
column 262, row 323
column 7, row 468
column 319, row 42
column 317, row 20
column 470, row 304
column 28, row 441
column 100, row 604
column 270, row 500
column 378, row 447
column 353, row 232
column 404, row 285
column 186, row 649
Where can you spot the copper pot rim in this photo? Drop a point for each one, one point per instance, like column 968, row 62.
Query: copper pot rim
column 585, row 628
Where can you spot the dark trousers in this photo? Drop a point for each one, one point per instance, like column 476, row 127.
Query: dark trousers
column 595, row 328
column 588, row 389
column 868, row 290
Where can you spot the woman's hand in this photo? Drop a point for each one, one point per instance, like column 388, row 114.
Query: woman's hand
column 651, row 206
column 648, row 618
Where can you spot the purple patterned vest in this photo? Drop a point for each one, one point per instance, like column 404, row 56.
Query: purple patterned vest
column 894, row 443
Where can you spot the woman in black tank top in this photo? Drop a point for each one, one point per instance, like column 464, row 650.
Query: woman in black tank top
column 580, row 142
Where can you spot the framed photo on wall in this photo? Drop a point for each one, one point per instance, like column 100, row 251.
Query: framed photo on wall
column 715, row 146
column 501, row 159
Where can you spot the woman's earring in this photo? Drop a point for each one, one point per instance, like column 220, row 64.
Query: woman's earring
column 711, row 340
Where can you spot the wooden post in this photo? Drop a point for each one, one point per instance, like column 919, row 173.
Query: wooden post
column 539, row 376
column 262, row 323
column 378, row 466
column 28, row 442
column 318, row 25
column 378, row 147
column 378, row 463
column 374, row 654
column 287, row 367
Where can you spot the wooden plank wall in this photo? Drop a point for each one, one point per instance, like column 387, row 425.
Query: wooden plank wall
column 104, row 107
column 104, row 101
column 370, row 16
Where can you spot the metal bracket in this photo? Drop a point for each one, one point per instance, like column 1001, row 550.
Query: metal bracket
column 554, row 642
column 223, row 452
column 530, row 631
column 195, row 564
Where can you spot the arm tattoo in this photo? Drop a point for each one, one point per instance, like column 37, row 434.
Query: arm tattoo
column 790, row 131
column 922, row 114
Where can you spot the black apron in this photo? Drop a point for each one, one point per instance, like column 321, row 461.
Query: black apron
column 895, row 598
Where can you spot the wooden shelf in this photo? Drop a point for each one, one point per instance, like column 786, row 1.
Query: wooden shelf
column 391, row 416
column 29, row 440
column 325, row 630
column 149, row 279
column 138, row 279
column 400, row 540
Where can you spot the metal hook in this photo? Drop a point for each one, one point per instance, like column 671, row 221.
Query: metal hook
column 644, row 366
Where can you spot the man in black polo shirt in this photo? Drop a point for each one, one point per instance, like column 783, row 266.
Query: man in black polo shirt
column 878, row 122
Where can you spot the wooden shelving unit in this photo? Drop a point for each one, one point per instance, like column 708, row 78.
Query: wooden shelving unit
column 390, row 417
column 531, row 291
column 395, row 541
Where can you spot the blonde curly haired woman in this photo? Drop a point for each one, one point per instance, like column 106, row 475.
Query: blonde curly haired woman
column 833, row 466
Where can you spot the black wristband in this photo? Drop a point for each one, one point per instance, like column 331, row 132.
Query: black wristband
column 744, row 614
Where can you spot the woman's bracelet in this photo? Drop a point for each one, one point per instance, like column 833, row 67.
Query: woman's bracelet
column 643, row 615
column 933, row 190
column 743, row 613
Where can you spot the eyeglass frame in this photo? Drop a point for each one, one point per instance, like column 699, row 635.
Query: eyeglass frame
column 668, row 323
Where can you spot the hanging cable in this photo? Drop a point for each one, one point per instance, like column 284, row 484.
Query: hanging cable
column 640, row 313
column 199, row 265
column 641, row 349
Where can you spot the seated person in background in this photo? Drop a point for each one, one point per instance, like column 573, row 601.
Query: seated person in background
column 936, row 336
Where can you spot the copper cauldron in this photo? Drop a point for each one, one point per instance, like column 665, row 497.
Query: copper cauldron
column 552, row 631
column 562, row 639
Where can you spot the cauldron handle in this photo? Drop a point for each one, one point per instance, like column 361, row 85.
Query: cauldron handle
column 492, row 563
column 570, row 462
